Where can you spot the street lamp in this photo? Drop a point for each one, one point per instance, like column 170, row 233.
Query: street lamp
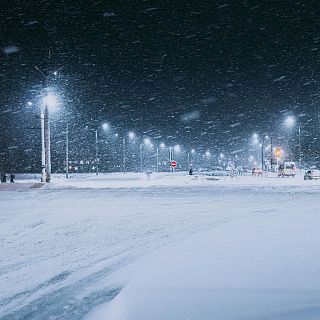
column 290, row 122
column 131, row 136
column 49, row 104
column 261, row 143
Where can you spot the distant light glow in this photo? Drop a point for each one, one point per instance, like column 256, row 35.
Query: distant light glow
column 29, row 104
column 221, row 155
column 162, row 145
column 290, row 121
column 147, row 141
column 193, row 151
column 208, row 153
column 131, row 135
column 50, row 101
column 177, row 148
column 106, row 126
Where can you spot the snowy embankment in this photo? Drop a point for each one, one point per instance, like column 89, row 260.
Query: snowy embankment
column 72, row 245
column 262, row 268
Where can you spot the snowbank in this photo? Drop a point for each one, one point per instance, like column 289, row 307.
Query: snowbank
column 260, row 269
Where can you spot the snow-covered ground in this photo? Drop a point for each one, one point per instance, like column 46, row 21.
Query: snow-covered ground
column 72, row 245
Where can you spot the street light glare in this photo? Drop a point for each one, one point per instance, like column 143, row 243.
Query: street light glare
column 147, row 141
column 177, row 148
column 105, row 126
column 162, row 145
column 29, row 103
column 50, row 101
column 290, row 121
column 131, row 135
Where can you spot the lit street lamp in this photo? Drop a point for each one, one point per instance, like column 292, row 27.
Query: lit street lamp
column 131, row 136
column 49, row 103
column 261, row 143
column 290, row 122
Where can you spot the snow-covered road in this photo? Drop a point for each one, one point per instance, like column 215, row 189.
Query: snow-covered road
column 63, row 247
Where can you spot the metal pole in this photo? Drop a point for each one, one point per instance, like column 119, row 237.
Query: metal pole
column 262, row 155
column 188, row 163
column 300, row 157
column 157, row 159
column 43, row 150
column 124, row 155
column 141, row 158
column 67, row 151
column 170, row 159
column 97, row 153
column 271, row 153
column 47, row 143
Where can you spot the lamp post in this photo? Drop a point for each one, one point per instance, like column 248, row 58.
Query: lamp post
column 97, row 152
column 67, row 151
column 157, row 156
column 131, row 136
column 43, row 148
column 290, row 122
column 170, row 158
column 300, row 155
column 49, row 102
column 124, row 155
column 261, row 142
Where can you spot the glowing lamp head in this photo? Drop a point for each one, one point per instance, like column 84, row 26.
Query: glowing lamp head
column 177, row 148
column 290, row 122
column 106, row 126
column 131, row 135
column 50, row 101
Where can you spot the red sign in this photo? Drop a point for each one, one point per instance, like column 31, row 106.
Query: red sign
column 173, row 164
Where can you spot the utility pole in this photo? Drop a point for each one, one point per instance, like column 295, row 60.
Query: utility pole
column 157, row 159
column 97, row 153
column 67, row 151
column 188, row 161
column 124, row 155
column 271, row 153
column 170, row 158
column 141, row 158
column 47, row 143
column 43, row 149
column 300, row 156
column 262, row 154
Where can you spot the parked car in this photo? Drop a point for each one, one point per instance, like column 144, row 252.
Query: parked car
column 287, row 169
column 312, row 175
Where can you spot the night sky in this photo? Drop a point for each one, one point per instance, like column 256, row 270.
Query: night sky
column 204, row 74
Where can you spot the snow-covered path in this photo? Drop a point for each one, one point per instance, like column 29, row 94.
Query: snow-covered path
column 62, row 246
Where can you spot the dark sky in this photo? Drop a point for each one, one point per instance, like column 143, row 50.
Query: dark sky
column 201, row 73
